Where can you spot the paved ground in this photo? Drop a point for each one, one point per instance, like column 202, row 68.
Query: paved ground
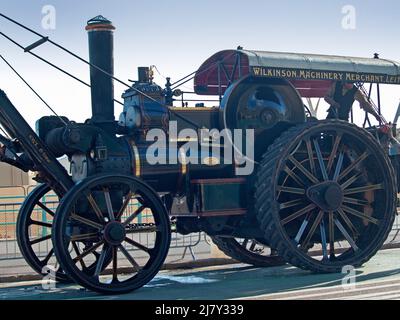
column 10, row 266
column 378, row 279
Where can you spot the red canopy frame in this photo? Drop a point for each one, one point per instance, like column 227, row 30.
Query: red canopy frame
column 218, row 72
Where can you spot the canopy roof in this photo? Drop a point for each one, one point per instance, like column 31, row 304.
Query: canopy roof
column 311, row 74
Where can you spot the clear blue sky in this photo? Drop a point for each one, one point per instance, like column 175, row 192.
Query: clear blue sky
column 177, row 36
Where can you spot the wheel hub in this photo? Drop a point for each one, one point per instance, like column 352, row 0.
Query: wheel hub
column 114, row 233
column 326, row 195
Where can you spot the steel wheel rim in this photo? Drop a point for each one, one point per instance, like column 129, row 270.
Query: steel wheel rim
column 27, row 241
column 110, row 276
column 339, row 166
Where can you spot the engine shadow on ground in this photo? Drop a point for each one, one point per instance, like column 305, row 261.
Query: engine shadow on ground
column 223, row 283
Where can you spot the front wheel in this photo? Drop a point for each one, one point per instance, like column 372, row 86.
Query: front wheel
column 117, row 216
column 34, row 226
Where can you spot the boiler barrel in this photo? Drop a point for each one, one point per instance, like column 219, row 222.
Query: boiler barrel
column 173, row 175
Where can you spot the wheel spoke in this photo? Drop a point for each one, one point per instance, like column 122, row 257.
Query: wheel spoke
column 86, row 221
column 307, row 173
column 291, row 190
column 41, row 223
column 137, row 245
column 109, row 204
column 142, row 230
column 45, row 208
column 130, row 258
column 338, row 166
column 294, row 176
column 45, row 261
column 84, row 236
column 302, row 228
column 311, row 157
column 370, row 187
column 348, row 222
column 323, row 240
column 115, row 264
column 124, row 205
column 40, row 239
column 88, row 251
column 320, row 160
column 359, row 202
column 333, row 153
column 351, row 180
column 100, row 262
column 140, row 200
column 134, row 215
column 298, row 213
column 290, row 204
column 331, row 235
column 96, row 208
column 346, row 235
column 76, row 249
column 312, row 229
column 361, row 215
column 353, row 165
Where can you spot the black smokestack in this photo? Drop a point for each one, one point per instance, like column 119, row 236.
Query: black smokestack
column 101, row 47
column 144, row 74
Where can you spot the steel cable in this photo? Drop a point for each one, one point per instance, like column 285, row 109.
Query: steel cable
column 33, row 90
column 100, row 69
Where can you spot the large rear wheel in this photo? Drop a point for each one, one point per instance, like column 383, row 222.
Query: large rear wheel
column 326, row 196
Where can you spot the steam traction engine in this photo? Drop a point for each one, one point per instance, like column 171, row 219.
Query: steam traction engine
column 322, row 193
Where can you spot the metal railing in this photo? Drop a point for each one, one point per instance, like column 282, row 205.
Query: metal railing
column 11, row 199
column 181, row 246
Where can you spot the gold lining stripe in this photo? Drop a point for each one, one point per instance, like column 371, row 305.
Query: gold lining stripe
column 183, row 161
column 137, row 159
column 184, row 140
column 211, row 161
column 99, row 27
